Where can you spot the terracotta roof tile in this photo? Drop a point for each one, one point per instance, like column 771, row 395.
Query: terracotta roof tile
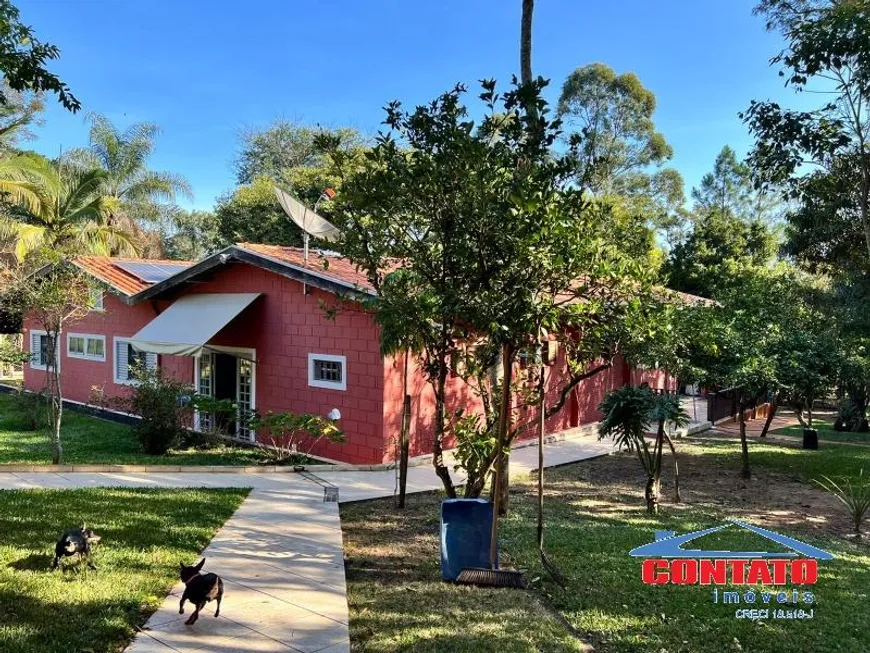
column 103, row 268
column 330, row 266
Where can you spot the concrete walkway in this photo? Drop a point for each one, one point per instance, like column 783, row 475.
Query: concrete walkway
column 280, row 554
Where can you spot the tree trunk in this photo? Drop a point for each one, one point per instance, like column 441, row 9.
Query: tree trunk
column 437, row 450
column 55, row 398
column 651, row 494
column 799, row 413
column 404, row 444
column 810, row 412
column 526, row 42
column 541, row 426
column 503, row 462
column 744, row 446
column 657, row 466
column 677, row 497
column 771, row 413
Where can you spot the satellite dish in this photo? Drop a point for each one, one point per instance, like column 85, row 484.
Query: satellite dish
column 307, row 220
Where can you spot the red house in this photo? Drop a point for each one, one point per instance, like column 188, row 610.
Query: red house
column 249, row 324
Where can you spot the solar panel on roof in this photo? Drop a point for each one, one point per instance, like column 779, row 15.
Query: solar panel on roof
column 150, row 272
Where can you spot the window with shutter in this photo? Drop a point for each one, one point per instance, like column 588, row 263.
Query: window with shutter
column 127, row 359
column 41, row 349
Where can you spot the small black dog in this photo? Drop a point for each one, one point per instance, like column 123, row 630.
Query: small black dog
column 199, row 589
column 75, row 541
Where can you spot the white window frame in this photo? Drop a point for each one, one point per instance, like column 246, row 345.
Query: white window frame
column 115, row 341
column 329, row 385
column 86, row 356
column 97, row 296
column 37, row 366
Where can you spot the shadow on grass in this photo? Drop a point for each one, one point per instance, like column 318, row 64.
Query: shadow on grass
column 145, row 534
column 32, row 562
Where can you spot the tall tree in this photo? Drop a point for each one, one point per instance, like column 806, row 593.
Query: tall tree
column 136, row 199
column 729, row 189
column 494, row 238
column 614, row 115
column 287, row 153
column 190, row 235
column 251, row 213
column 23, row 59
column 821, row 155
column 19, row 112
column 526, row 42
column 718, row 243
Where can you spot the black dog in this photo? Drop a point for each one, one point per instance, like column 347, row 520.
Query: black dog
column 75, row 541
column 199, row 589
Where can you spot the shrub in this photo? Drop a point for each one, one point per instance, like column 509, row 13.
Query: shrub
column 165, row 407
column 289, row 433
column 475, row 450
column 853, row 493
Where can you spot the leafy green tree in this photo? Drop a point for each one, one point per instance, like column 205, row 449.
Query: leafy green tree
column 496, row 243
column 23, row 59
column 61, row 295
column 729, row 190
column 614, row 114
column 288, row 153
column 621, row 153
column 718, row 242
column 190, row 235
column 820, row 155
column 17, row 114
column 61, row 208
column 251, row 213
column 134, row 196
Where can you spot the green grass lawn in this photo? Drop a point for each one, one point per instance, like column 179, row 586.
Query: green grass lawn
column 145, row 532
column 595, row 516
column 792, row 461
column 90, row 441
column 825, row 427
column 397, row 601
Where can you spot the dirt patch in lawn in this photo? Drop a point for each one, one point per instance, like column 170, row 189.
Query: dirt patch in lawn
column 712, row 480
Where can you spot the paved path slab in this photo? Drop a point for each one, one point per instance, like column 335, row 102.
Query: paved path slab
column 281, row 559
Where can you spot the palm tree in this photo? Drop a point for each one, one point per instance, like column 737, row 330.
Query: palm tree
column 57, row 207
column 134, row 194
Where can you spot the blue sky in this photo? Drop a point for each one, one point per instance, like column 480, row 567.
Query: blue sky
column 206, row 69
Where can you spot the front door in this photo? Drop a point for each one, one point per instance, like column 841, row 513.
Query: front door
column 225, row 389
column 226, row 377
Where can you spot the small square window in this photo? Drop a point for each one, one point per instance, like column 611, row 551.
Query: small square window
column 77, row 345
column 327, row 371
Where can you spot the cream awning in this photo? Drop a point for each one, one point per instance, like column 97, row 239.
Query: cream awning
column 185, row 328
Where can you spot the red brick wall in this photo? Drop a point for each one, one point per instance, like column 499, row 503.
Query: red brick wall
column 81, row 378
column 284, row 326
column 579, row 409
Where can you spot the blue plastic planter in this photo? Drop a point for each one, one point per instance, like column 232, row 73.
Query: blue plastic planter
column 466, row 527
